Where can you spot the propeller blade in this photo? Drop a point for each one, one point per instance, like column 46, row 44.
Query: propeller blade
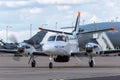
column 16, row 58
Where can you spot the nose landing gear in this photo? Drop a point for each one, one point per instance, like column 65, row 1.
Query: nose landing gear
column 51, row 64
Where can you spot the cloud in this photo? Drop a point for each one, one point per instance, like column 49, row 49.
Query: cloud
column 14, row 4
column 30, row 15
column 86, row 14
column 1, row 3
column 36, row 10
column 63, row 1
column 112, row 3
column 63, row 7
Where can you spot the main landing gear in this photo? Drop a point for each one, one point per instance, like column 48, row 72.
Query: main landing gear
column 50, row 65
column 33, row 63
column 32, row 60
column 91, row 62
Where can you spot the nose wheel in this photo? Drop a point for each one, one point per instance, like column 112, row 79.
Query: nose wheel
column 51, row 64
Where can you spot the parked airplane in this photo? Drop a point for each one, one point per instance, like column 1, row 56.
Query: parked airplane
column 4, row 45
column 60, row 47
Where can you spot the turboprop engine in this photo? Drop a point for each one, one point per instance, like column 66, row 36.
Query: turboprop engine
column 93, row 48
column 25, row 49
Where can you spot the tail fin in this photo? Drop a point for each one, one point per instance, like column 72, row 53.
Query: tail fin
column 77, row 23
column 74, row 31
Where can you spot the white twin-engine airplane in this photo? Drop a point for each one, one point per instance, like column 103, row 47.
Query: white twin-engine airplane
column 61, row 46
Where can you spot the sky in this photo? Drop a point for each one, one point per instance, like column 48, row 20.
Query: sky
column 21, row 18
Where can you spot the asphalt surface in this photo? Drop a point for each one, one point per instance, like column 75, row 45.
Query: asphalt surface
column 106, row 68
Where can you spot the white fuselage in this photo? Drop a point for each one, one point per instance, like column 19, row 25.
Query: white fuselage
column 60, row 47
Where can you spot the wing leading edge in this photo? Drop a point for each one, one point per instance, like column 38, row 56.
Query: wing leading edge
column 8, row 51
column 101, row 53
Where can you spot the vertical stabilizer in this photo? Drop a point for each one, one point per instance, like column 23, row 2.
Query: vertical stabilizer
column 77, row 23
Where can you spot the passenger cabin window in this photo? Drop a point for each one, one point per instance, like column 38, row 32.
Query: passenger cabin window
column 61, row 38
column 51, row 38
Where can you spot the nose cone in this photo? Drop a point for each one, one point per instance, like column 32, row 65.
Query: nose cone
column 54, row 48
column 48, row 48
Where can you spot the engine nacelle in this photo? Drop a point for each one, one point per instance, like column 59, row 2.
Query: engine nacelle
column 62, row 59
column 25, row 49
column 93, row 49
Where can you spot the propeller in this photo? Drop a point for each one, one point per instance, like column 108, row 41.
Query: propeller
column 14, row 40
column 93, row 48
column 16, row 58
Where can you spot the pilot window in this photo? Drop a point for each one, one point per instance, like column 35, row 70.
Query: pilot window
column 51, row 38
column 61, row 38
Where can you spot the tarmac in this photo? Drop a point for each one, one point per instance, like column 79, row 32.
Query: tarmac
column 106, row 68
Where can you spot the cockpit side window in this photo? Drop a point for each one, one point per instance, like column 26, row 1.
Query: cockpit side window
column 61, row 38
column 51, row 38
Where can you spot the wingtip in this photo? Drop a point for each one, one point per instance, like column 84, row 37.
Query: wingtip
column 112, row 28
column 40, row 28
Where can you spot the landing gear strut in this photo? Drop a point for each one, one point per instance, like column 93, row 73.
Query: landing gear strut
column 33, row 62
column 91, row 62
column 50, row 64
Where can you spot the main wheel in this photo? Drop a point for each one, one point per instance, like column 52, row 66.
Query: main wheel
column 91, row 63
column 50, row 65
column 33, row 63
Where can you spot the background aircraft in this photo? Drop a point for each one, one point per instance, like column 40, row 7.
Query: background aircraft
column 4, row 45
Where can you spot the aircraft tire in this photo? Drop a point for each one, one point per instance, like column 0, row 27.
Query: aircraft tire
column 33, row 63
column 91, row 63
column 50, row 65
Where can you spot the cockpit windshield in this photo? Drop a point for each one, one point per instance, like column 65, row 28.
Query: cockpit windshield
column 57, row 38
column 51, row 38
column 61, row 38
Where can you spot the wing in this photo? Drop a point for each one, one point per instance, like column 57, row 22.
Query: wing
column 101, row 53
column 110, row 51
column 7, row 51
column 96, row 31
column 79, row 54
column 55, row 31
column 39, row 53
column 89, row 32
